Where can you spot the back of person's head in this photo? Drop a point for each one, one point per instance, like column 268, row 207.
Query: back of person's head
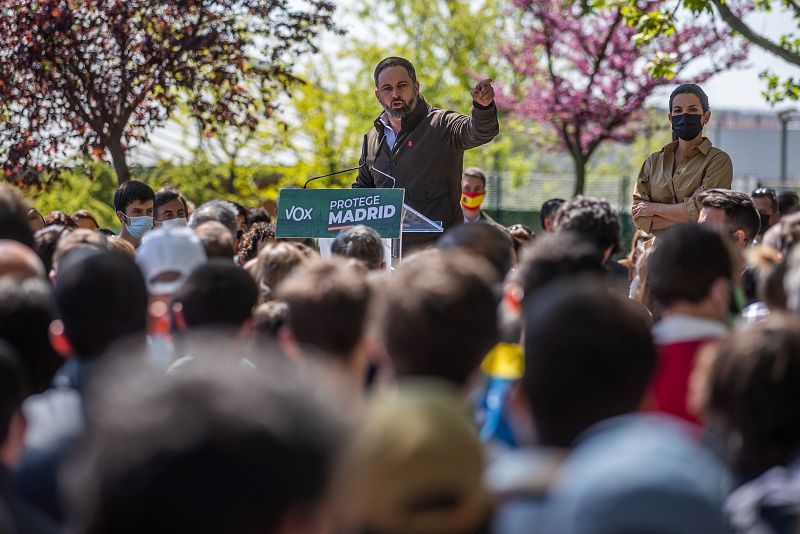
column 592, row 218
column 60, row 218
column 19, row 260
column 75, row 239
column 788, row 202
column 548, row 211
column 521, row 233
column 167, row 257
column 270, row 317
column 686, row 263
column 211, row 450
column 275, row 262
column 556, row 256
column 362, row 243
column 119, row 244
column 328, row 303
column 217, row 294
column 14, row 217
column 421, row 439
column 217, row 240
column 13, row 389
column 754, row 393
column 220, row 211
column 86, row 218
column 101, row 298
column 132, row 191
column 440, row 315
column 258, row 215
column 589, row 356
column 488, row 241
column 253, row 240
column 27, row 308
column 45, row 243
column 740, row 213
column 788, row 233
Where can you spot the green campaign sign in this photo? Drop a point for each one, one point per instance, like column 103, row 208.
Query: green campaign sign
column 325, row 212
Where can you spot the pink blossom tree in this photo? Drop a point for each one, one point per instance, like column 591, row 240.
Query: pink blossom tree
column 585, row 76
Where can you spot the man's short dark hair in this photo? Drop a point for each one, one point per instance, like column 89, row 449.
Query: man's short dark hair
column 328, row 303
column 395, row 62
column 488, row 241
column 101, row 297
column 589, row 356
column 132, row 191
column 557, row 256
column 475, row 172
column 592, row 218
column 362, row 243
column 27, row 308
column 788, row 202
column 686, row 262
column 212, row 450
column 754, row 393
column 258, row 214
column 13, row 388
column 440, row 315
column 220, row 211
column 167, row 194
column 45, row 243
column 768, row 193
column 14, row 217
column 219, row 293
column 740, row 212
column 217, row 240
column 549, row 209
column 270, row 317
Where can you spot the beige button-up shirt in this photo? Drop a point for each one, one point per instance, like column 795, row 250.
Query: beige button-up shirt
column 704, row 165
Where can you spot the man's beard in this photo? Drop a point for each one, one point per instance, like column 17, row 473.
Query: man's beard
column 403, row 112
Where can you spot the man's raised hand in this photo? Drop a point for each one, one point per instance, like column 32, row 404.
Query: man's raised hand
column 483, row 93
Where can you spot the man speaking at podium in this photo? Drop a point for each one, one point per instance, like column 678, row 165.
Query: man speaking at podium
column 422, row 147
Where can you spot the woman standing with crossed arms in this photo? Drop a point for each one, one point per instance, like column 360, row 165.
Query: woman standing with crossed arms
column 671, row 179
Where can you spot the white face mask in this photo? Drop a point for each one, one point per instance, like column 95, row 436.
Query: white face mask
column 178, row 222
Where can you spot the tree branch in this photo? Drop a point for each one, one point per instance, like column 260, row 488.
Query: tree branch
column 748, row 33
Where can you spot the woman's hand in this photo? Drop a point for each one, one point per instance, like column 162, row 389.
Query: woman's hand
column 642, row 208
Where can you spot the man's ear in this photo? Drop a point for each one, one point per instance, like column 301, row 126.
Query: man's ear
column 741, row 238
column 59, row 341
column 121, row 218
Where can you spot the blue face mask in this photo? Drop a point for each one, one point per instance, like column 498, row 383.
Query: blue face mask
column 138, row 226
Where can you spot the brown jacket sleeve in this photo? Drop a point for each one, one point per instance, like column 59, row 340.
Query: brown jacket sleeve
column 463, row 132
column 641, row 191
column 718, row 174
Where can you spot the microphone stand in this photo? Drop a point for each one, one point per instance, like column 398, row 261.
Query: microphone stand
column 330, row 174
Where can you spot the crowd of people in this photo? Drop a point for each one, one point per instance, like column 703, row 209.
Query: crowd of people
column 192, row 373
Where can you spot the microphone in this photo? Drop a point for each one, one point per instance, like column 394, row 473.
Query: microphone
column 331, row 174
column 394, row 182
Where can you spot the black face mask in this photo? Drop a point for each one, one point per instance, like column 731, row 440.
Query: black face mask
column 687, row 126
column 764, row 223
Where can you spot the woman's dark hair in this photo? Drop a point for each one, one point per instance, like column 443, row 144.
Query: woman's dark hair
column 690, row 89
column 248, row 246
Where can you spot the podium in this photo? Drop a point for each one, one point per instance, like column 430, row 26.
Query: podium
column 323, row 213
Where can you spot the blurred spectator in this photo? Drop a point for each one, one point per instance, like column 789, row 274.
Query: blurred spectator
column 25, row 518
column 35, row 220
column 759, row 280
column 753, row 399
column 421, row 440
column 85, row 219
column 17, row 260
column 765, row 200
column 521, row 233
column 439, row 316
column 27, row 307
column 217, row 240
column 734, row 213
column 488, row 241
column 76, row 239
column 473, row 193
column 258, row 214
column 241, row 220
column 274, row 263
column 169, row 208
column 270, row 317
column 362, row 243
column 115, row 242
column 220, row 211
column 14, row 223
column 788, row 202
column 547, row 214
column 259, row 234
column 690, row 276
column 133, row 202
column 328, row 304
column 101, row 299
column 221, row 450
column 59, row 218
column 45, row 243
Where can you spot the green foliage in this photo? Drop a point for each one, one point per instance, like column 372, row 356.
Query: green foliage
column 778, row 90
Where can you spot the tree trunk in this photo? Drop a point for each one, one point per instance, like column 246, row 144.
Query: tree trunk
column 580, row 173
column 118, row 158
